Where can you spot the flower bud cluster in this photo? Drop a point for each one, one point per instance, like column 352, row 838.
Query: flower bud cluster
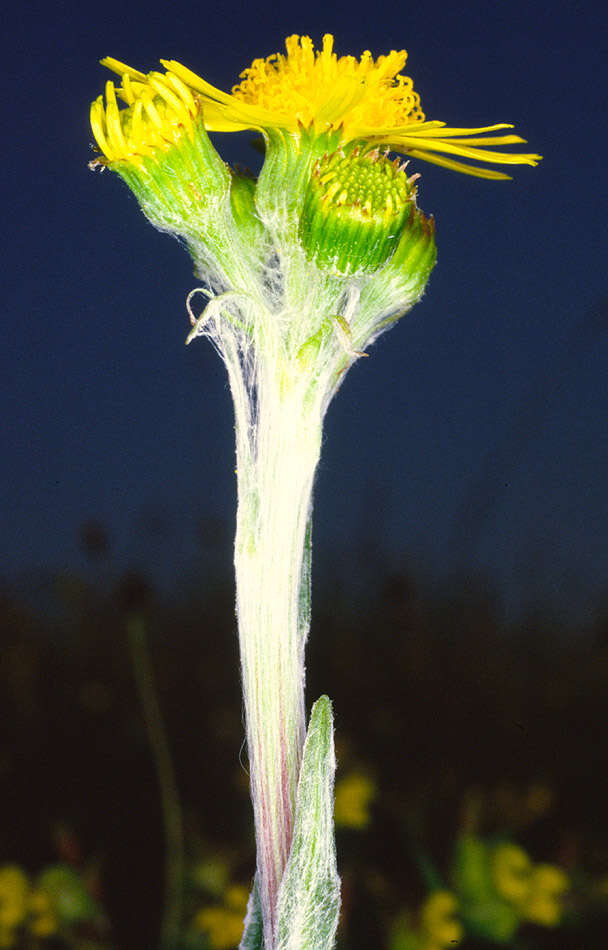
column 328, row 236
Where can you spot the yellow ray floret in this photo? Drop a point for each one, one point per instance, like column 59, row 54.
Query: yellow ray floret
column 160, row 109
column 366, row 100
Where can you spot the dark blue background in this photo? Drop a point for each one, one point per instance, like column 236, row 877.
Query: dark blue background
column 474, row 438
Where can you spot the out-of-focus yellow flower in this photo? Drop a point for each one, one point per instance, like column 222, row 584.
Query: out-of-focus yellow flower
column 211, row 874
column 517, row 807
column 363, row 100
column 236, row 897
column 545, row 900
column 439, row 926
column 43, row 920
column 14, row 890
column 511, row 871
column 224, row 925
column 354, row 795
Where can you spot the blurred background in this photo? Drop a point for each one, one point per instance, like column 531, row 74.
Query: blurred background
column 460, row 586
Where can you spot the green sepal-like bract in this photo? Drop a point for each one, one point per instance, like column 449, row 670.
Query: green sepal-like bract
column 284, row 179
column 395, row 288
column 246, row 218
column 309, row 896
column 182, row 188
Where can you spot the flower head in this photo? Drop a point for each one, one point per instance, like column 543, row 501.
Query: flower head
column 354, row 795
column 159, row 147
column 439, row 925
column 223, row 925
column 511, row 870
column 545, row 902
column 43, row 918
column 14, row 890
column 365, row 100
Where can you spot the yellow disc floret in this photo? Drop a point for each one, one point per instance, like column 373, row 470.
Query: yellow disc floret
column 323, row 89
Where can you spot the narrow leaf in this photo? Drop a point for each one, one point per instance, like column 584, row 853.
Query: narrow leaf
column 309, row 896
column 253, row 933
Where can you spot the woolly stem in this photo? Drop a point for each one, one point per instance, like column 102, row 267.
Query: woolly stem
column 276, row 463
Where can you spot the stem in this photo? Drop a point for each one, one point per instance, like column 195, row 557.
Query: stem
column 275, row 478
column 172, row 815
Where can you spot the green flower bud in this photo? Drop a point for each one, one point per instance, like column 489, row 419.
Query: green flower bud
column 355, row 208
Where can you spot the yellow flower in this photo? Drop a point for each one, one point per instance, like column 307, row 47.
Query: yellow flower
column 511, row 869
column 354, row 794
column 544, row 903
column 363, row 100
column 224, row 925
column 236, row 897
column 43, row 920
column 14, row 889
column 439, row 927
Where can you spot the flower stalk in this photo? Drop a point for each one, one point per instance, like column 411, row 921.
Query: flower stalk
column 275, row 498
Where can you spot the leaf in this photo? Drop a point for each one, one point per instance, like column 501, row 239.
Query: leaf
column 309, row 896
column 253, row 933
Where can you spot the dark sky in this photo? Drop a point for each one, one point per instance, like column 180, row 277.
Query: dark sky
column 473, row 439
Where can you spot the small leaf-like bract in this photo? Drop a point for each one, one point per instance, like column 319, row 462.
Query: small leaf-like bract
column 309, row 897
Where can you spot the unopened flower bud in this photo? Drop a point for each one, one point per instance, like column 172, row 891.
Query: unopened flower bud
column 355, row 209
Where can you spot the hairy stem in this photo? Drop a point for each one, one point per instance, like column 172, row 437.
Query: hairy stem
column 275, row 478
